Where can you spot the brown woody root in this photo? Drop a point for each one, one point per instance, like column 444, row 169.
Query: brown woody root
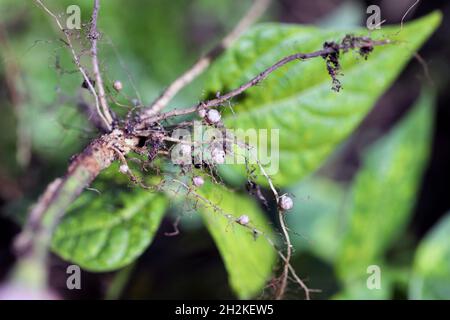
column 58, row 196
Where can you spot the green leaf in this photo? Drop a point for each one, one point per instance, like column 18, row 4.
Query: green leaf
column 431, row 268
column 248, row 259
column 384, row 191
column 318, row 220
column 297, row 99
column 108, row 231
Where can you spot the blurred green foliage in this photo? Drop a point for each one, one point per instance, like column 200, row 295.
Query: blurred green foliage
column 346, row 228
column 319, row 217
column 431, row 269
column 384, row 192
column 355, row 228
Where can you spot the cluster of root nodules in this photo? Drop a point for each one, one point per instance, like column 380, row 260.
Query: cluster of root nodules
column 333, row 51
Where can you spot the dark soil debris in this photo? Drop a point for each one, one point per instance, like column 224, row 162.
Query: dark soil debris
column 333, row 65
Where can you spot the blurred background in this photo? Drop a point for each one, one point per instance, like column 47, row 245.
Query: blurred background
column 151, row 43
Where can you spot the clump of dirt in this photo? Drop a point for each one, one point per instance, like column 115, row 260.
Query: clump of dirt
column 333, row 65
column 349, row 42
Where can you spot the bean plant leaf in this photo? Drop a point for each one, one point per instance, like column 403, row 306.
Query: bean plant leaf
column 108, row 231
column 298, row 100
column 248, row 259
column 384, row 192
column 431, row 269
